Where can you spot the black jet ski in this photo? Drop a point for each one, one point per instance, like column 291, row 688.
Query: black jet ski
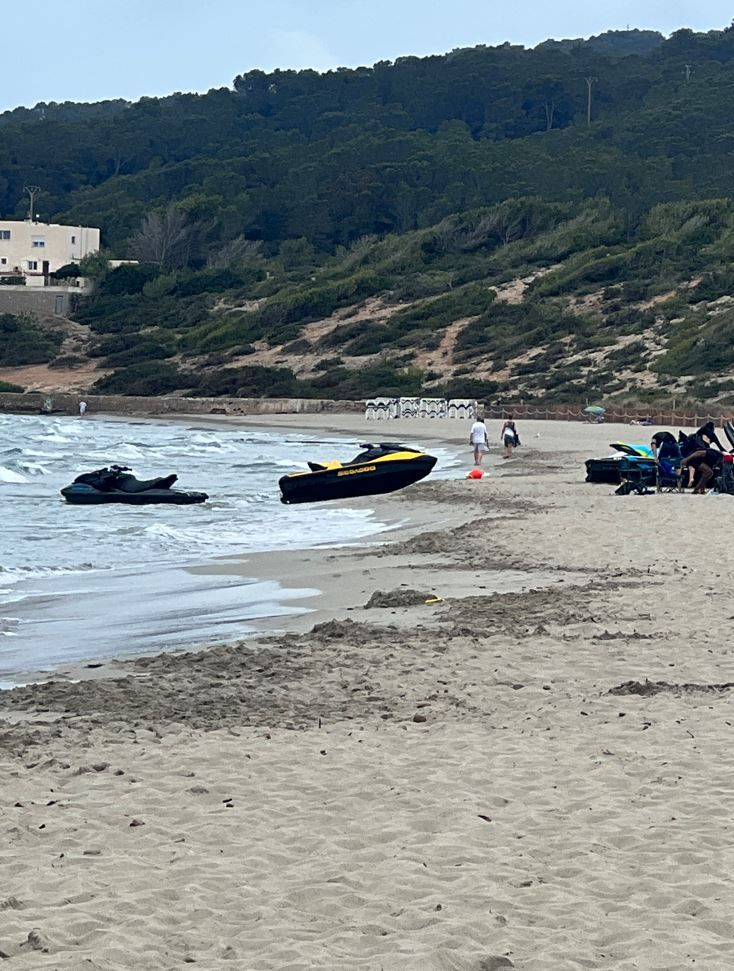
column 379, row 468
column 609, row 469
column 116, row 484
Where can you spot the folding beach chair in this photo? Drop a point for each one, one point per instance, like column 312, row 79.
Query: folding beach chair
column 724, row 481
column 668, row 475
column 638, row 475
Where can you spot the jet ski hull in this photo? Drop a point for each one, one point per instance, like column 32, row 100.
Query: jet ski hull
column 81, row 494
column 609, row 470
column 368, row 478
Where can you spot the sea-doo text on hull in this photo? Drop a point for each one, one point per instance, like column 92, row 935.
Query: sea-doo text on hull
column 381, row 468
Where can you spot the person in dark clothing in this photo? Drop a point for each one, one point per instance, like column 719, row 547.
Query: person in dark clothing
column 664, row 446
column 704, row 438
column 709, row 432
column 701, row 467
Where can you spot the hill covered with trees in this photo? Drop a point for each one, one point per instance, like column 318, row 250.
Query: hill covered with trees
column 550, row 223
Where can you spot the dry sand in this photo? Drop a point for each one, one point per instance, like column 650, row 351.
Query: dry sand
column 533, row 772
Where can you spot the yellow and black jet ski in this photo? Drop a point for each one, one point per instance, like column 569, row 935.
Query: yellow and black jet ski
column 380, row 468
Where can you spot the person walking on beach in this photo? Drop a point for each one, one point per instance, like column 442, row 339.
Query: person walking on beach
column 509, row 437
column 479, row 440
column 82, row 408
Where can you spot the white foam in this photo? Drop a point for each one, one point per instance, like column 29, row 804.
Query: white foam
column 44, row 540
column 7, row 475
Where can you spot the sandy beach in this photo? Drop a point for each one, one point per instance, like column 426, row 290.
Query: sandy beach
column 500, row 741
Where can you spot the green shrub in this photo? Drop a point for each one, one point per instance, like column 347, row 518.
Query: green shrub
column 719, row 283
column 69, row 361
column 344, row 333
column 300, row 346
column 219, row 333
column 328, row 363
column 9, row 387
column 251, row 381
column 124, row 349
column 468, row 388
column 699, row 345
column 69, row 271
column 127, row 279
column 508, row 330
column 372, row 339
column 145, row 350
column 383, row 378
column 283, row 315
column 625, row 357
column 189, row 284
column 23, row 342
column 146, row 378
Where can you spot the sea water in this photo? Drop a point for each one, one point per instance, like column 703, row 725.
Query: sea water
column 83, row 582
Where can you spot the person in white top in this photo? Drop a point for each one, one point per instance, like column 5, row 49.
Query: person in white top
column 478, row 440
column 82, row 408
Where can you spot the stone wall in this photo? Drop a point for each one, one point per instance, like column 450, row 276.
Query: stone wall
column 68, row 404
column 29, row 300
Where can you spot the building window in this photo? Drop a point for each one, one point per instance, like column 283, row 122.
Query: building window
column 4, row 234
column 3, row 261
column 38, row 243
column 73, row 240
column 32, row 264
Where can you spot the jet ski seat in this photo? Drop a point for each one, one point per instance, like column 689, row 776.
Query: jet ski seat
column 128, row 483
column 119, row 477
column 322, row 467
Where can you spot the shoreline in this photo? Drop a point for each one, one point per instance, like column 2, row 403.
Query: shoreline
column 333, row 572
column 338, row 573
column 60, row 597
column 503, row 778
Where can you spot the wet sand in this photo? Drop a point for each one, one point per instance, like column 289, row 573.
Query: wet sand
column 501, row 745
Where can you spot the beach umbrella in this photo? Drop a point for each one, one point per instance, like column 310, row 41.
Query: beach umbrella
column 594, row 410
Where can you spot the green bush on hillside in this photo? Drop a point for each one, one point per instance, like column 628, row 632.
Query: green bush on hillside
column 420, row 325
column 467, row 388
column 130, row 348
column 701, row 344
column 227, row 331
column 147, row 378
column 384, row 378
column 22, row 341
column 251, row 381
column 508, row 330
column 127, row 280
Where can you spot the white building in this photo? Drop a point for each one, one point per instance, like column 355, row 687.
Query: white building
column 35, row 250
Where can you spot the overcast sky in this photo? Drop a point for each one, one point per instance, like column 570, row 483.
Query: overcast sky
column 91, row 50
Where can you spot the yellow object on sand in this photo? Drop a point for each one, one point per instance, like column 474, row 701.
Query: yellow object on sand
column 435, row 600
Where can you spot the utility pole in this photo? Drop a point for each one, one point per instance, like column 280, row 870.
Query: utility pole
column 590, row 82
column 31, row 190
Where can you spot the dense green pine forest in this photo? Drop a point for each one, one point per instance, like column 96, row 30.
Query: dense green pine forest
column 553, row 223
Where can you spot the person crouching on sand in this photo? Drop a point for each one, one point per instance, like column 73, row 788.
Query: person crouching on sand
column 702, row 464
column 479, row 440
